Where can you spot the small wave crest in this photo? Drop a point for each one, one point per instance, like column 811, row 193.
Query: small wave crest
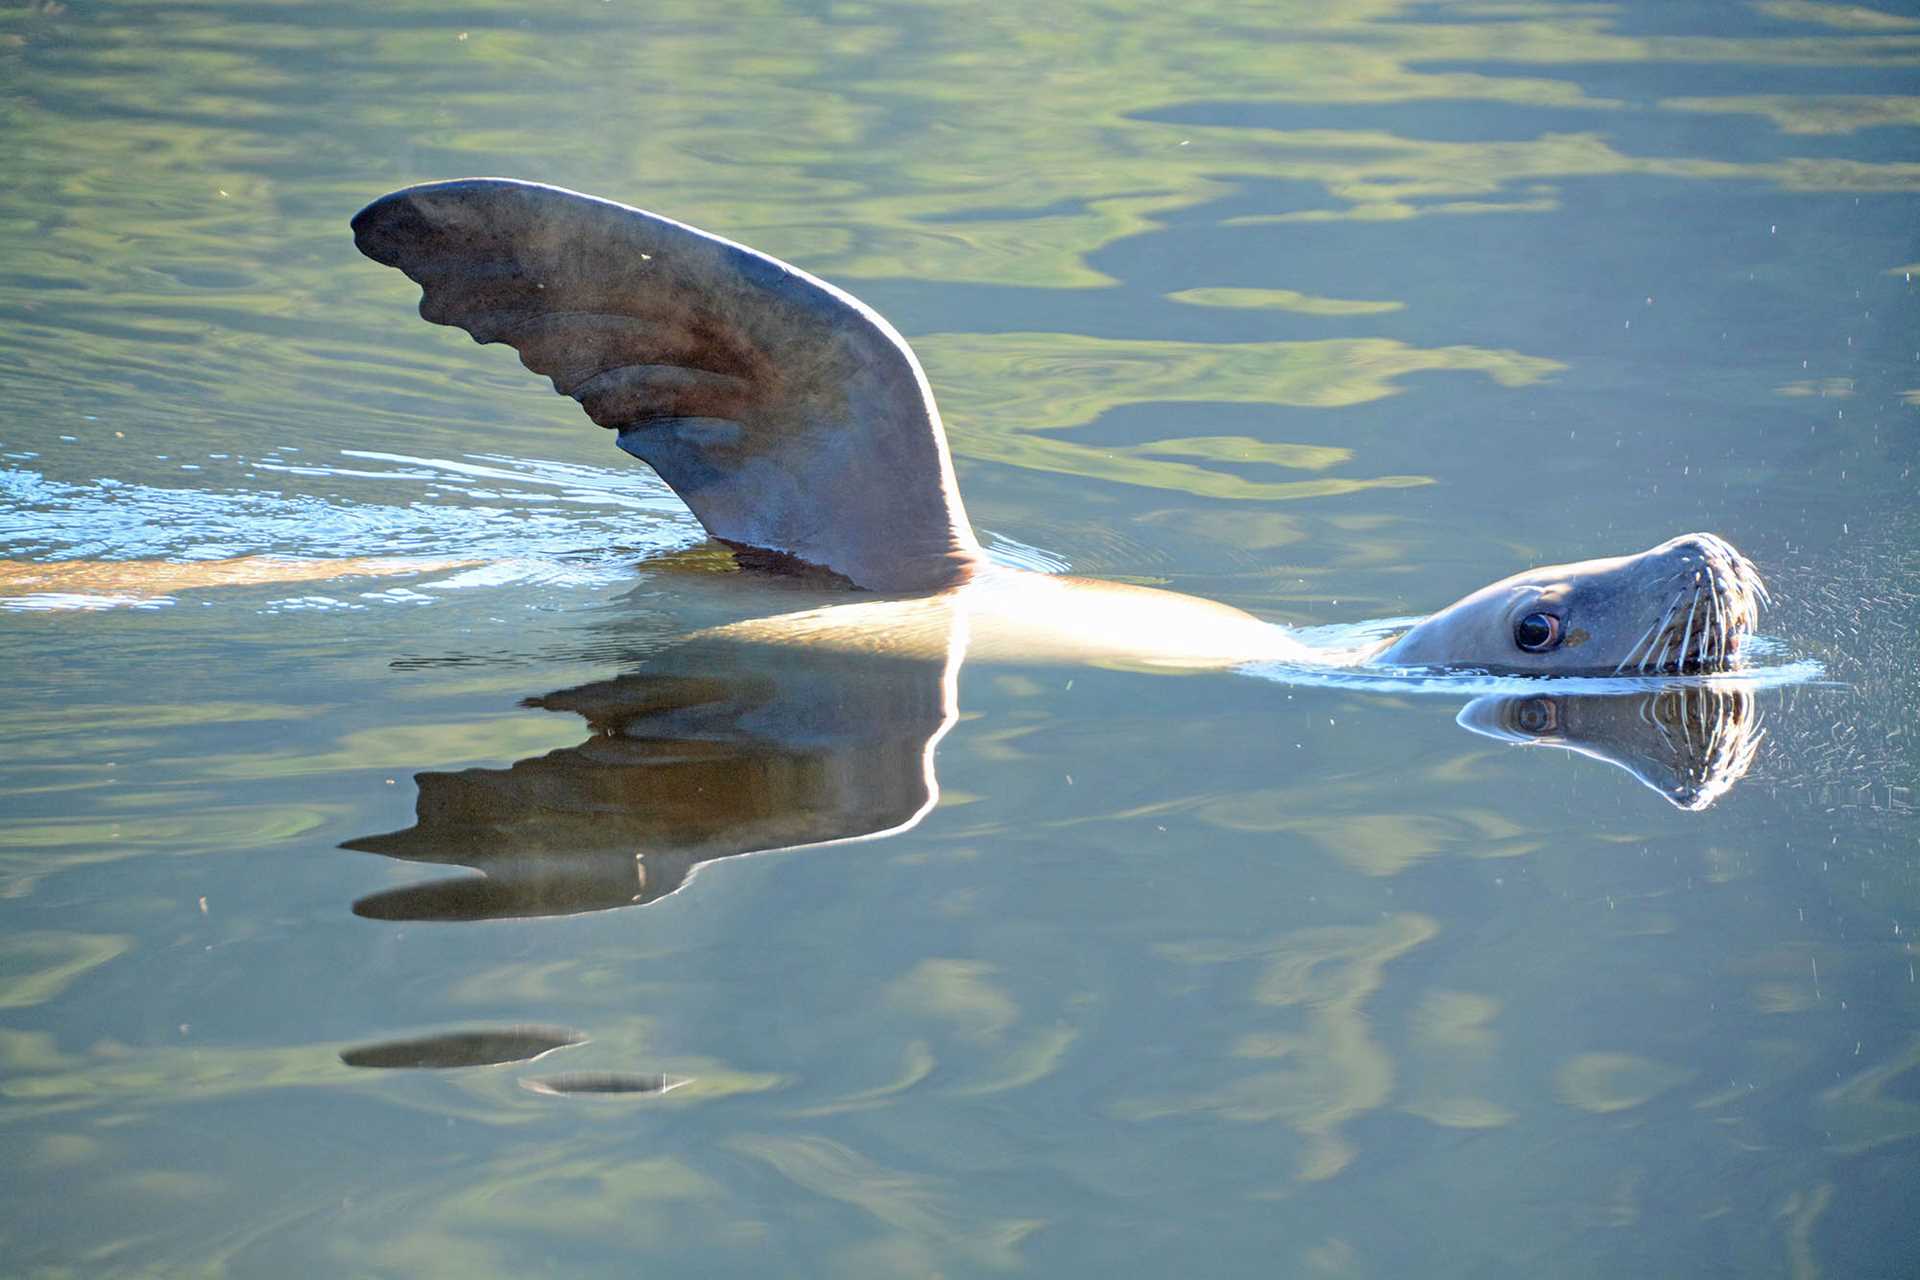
column 515, row 521
column 1021, row 555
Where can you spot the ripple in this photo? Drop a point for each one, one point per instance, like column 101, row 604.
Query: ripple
column 532, row 522
column 601, row 1082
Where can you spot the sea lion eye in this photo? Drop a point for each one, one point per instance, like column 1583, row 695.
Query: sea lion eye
column 1537, row 632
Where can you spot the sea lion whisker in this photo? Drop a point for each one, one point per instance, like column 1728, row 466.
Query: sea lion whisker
column 1717, row 623
column 1646, row 657
column 1654, row 657
column 1686, row 641
column 1716, row 628
column 1640, row 664
column 1669, row 643
column 1636, row 648
column 1629, row 658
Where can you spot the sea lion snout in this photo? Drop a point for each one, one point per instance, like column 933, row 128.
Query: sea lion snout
column 1716, row 597
column 1709, row 552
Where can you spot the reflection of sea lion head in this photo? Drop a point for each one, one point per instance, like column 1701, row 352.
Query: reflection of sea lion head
column 1678, row 608
column 1690, row 743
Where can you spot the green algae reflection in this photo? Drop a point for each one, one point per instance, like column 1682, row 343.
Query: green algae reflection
column 35, row 967
column 921, row 1214
column 1606, row 1082
column 1005, row 394
column 1330, row 1070
column 1282, row 300
column 178, row 179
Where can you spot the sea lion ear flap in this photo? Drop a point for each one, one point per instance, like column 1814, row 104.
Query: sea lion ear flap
column 789, row 416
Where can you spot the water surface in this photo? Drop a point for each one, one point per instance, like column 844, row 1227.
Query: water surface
column 1334, row 312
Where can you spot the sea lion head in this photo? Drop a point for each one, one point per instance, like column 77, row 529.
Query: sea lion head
column 1680, row 608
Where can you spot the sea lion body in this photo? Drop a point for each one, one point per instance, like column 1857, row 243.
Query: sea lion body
column 1002, row 614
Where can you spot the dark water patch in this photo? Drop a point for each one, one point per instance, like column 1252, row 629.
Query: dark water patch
column 1712, row 21
column 1441, row 120
column 1680, row 124
column 1645, row 83
column 478, row 1048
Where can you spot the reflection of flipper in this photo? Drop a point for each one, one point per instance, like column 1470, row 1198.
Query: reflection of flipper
column 789, row 416
column 1690, row 743
column 719, row 750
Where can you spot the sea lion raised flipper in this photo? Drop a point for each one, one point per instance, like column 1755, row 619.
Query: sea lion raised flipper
column 789, row 416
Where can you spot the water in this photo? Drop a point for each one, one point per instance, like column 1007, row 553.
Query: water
column 324, row 946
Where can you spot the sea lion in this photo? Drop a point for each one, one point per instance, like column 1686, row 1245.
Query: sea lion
column 797, row 424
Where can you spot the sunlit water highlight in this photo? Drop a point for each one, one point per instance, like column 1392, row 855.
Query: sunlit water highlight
column 532, row 522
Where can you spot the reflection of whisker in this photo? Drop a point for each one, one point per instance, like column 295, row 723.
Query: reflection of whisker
column 1651, row 714
column 1732, row 743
